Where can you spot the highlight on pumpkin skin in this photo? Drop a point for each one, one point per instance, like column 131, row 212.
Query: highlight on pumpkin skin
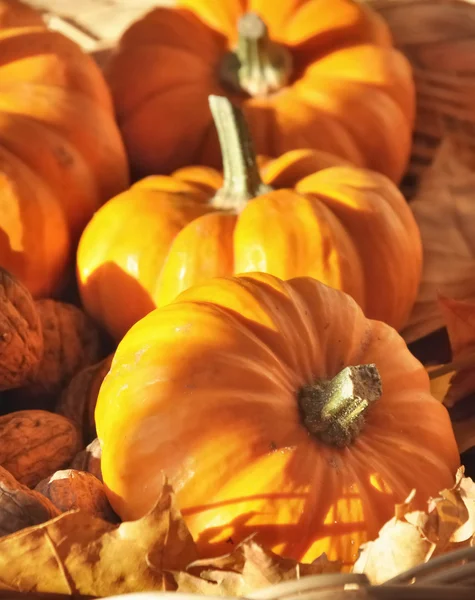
column 341, row 225
column 312, row 411
column 316, row 74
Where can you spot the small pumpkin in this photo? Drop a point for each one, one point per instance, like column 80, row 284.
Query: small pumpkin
column 314, row 73
column 348, row 227
column 61, row 154
column 273, row 407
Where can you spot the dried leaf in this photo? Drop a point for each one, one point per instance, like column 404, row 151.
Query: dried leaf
column 455, row 381
column 414, row 537
column 440, row 378
column 248, row 568
column 77, row 553
column 445, row 212
column 464, row 433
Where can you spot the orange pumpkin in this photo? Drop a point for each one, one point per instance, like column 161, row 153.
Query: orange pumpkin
column 308, row 74
column 61, row 154
column 261, row 401
column 347, row 227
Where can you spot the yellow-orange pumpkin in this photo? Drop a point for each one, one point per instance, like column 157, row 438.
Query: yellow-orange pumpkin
column 348, row 227
column 308, row 73
column 239, row 393
column 61, row 154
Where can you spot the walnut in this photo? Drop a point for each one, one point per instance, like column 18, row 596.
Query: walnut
column 36, row 443
column 78, row 401
column 70, row 490
column 21, row 507
column 71, row 342
column 89, row 460
column 21, row 340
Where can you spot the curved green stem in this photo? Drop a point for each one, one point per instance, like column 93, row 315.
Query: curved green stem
column 242, row 181
column 258, row 66
column 334, row 410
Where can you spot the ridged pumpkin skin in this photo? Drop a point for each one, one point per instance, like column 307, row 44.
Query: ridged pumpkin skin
column 348, row 91
column 348, row 227
column 61, row 153
column 205, row 391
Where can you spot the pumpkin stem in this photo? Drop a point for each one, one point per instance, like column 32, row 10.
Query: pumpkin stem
column 242, row 181
column 334, row 410
column 258, row 66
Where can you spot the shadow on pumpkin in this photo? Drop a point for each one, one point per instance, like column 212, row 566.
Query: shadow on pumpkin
column 104, row 287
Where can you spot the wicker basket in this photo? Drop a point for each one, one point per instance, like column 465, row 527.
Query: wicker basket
column 438, row 36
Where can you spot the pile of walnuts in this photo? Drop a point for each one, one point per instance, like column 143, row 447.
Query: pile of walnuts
column 51, row 367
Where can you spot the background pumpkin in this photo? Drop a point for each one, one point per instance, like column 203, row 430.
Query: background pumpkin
column 239, row 409
column 348, row 227
column 311, row 73
column 61, row 155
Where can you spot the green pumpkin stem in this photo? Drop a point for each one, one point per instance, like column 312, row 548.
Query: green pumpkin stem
column 334, row 410
column 242, row 181
column 258, row 66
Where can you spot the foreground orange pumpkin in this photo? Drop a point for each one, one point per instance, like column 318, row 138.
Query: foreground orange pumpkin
column 347, row 227
column 239, row 393
column 61, row 153
column 308, row 74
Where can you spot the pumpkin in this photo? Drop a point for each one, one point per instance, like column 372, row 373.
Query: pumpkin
column 61, row 153
column 273, row 407
column 308, row 74
column 348, row 227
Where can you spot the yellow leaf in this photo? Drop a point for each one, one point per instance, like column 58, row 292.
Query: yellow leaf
column 440, row 384
column 79, row 554
column 248, row 568
column 414, row 537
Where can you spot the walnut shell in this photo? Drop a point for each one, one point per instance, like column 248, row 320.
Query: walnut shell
column 70, row 490
column 71, row 343
column 36, row 443
column 21, row 507
column 21, row 339
column 78, row 401
column 89, row 460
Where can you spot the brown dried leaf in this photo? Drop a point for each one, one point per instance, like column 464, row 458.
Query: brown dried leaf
column 445, row 212
column 35, row 444
column 89, row 459
column 77, row 553
column 248, row 568
column 78, row 400
column 70, row 490
column 459, row 318
column 71, row 343
column 21, row 339
column 414, row 537
column 21, row 507
column 464, row 431
column 455, row 381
